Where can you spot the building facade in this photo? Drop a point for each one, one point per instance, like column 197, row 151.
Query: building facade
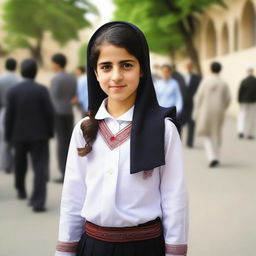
column 228, row 35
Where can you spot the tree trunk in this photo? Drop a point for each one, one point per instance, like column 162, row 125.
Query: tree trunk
column 190, row 47
column 37, row 51
column 2, row 52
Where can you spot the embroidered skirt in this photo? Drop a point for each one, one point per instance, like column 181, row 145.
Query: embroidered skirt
column 90, row 246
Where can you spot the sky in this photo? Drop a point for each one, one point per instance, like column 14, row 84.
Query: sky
column 106, row 9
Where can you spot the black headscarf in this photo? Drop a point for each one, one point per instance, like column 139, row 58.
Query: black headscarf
column 148, row 126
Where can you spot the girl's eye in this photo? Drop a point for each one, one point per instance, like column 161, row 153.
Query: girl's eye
column 105, row 67
column 127, row 65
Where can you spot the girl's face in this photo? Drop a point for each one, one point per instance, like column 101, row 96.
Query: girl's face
column 118, row 73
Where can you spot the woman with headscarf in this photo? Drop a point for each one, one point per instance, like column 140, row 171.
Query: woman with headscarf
column 124, row 191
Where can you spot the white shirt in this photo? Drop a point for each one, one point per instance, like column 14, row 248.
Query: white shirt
column 187, row 79
column 99, row 187
column 168, row 94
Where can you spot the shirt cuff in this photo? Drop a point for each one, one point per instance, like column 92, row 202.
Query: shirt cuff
column 172, row 255
column 66, row 248
column 64, row 253
column 176, row 249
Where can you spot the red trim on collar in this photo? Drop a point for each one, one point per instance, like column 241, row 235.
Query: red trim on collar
column 114, row 140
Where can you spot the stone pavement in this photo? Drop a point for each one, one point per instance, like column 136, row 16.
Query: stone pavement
column 222, row 205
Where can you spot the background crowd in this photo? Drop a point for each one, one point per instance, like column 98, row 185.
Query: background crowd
column 31, row 114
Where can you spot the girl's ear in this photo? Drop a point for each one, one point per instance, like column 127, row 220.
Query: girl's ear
column 141, row 74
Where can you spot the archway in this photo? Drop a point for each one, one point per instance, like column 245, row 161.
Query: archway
column 236, row 36
column 224, row 39
column 210, row 40
column 248, row 26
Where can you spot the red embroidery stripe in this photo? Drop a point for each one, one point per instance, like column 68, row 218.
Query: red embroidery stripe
column 179, row 249
column 66, row 246
column 112, row 140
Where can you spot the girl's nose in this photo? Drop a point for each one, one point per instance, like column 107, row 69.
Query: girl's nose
column 117, row 75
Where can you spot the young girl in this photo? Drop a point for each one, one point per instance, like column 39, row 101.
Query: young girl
column 124, row 191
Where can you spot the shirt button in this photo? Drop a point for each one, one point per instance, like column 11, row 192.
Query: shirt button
column 110, row 172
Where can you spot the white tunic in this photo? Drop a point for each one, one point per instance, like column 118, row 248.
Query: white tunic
column 99, row 187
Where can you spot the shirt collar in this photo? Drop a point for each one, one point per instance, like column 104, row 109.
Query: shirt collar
column 103, row 113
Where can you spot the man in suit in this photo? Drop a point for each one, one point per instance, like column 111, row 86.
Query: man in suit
column 63, row 90
column 182, row 117
column 192, row 81
column 29, row 126
column 7, row 81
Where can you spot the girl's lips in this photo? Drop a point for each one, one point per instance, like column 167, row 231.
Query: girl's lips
column 116, row 86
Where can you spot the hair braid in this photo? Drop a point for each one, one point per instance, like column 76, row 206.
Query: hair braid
column 89, row 128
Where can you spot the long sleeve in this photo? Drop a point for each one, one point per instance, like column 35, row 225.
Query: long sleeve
column 9, row 116
column 73, row 196
column 174, row 201
column 198, row 98
column 240, row 92
column 178, row 97
column 48, row 111
column 228, row 97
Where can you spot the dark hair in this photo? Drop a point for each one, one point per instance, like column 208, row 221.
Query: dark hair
column 10, row 64
column 120, row 35
column 29, row 68
column 81, row 68
column 167, row 66
column 59, row 59
column 216, row 67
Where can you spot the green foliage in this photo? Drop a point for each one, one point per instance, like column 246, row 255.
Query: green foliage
column 160, row 20
column 82, row 55
column 26, row 21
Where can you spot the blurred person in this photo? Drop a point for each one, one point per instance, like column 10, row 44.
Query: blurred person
column 246, row 122
column 167, row 90
column 192, row 81
column 211, row 102
column 29, row 126
column 82, row 90
column 155, row 74
column 182, row 117
column 7, row 81
column 63, row 90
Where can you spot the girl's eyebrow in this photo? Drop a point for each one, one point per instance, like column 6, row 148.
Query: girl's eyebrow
column 108, row 62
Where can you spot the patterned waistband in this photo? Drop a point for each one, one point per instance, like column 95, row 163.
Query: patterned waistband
column 124, row 234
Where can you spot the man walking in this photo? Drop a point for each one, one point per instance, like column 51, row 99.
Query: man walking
column 246, row 122
column 29, row 126
column 63, row 90
column 7, row 81
column 211, row 102
column 192, row 81
column 167, row 90
column 81, row 98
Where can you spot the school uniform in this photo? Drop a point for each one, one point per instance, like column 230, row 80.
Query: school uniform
column 110, row 196
column 127, row 196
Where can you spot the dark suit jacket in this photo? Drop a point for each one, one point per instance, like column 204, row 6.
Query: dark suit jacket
column 193, row 84
column 182, row 118
column 247, row 90
column 192, row 88
column 29, row 113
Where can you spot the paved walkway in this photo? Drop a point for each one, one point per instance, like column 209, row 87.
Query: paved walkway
column 222, row 205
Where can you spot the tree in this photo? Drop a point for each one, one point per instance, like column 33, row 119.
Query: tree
column 82, row 55
column 26, row 22
column 169, row 25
